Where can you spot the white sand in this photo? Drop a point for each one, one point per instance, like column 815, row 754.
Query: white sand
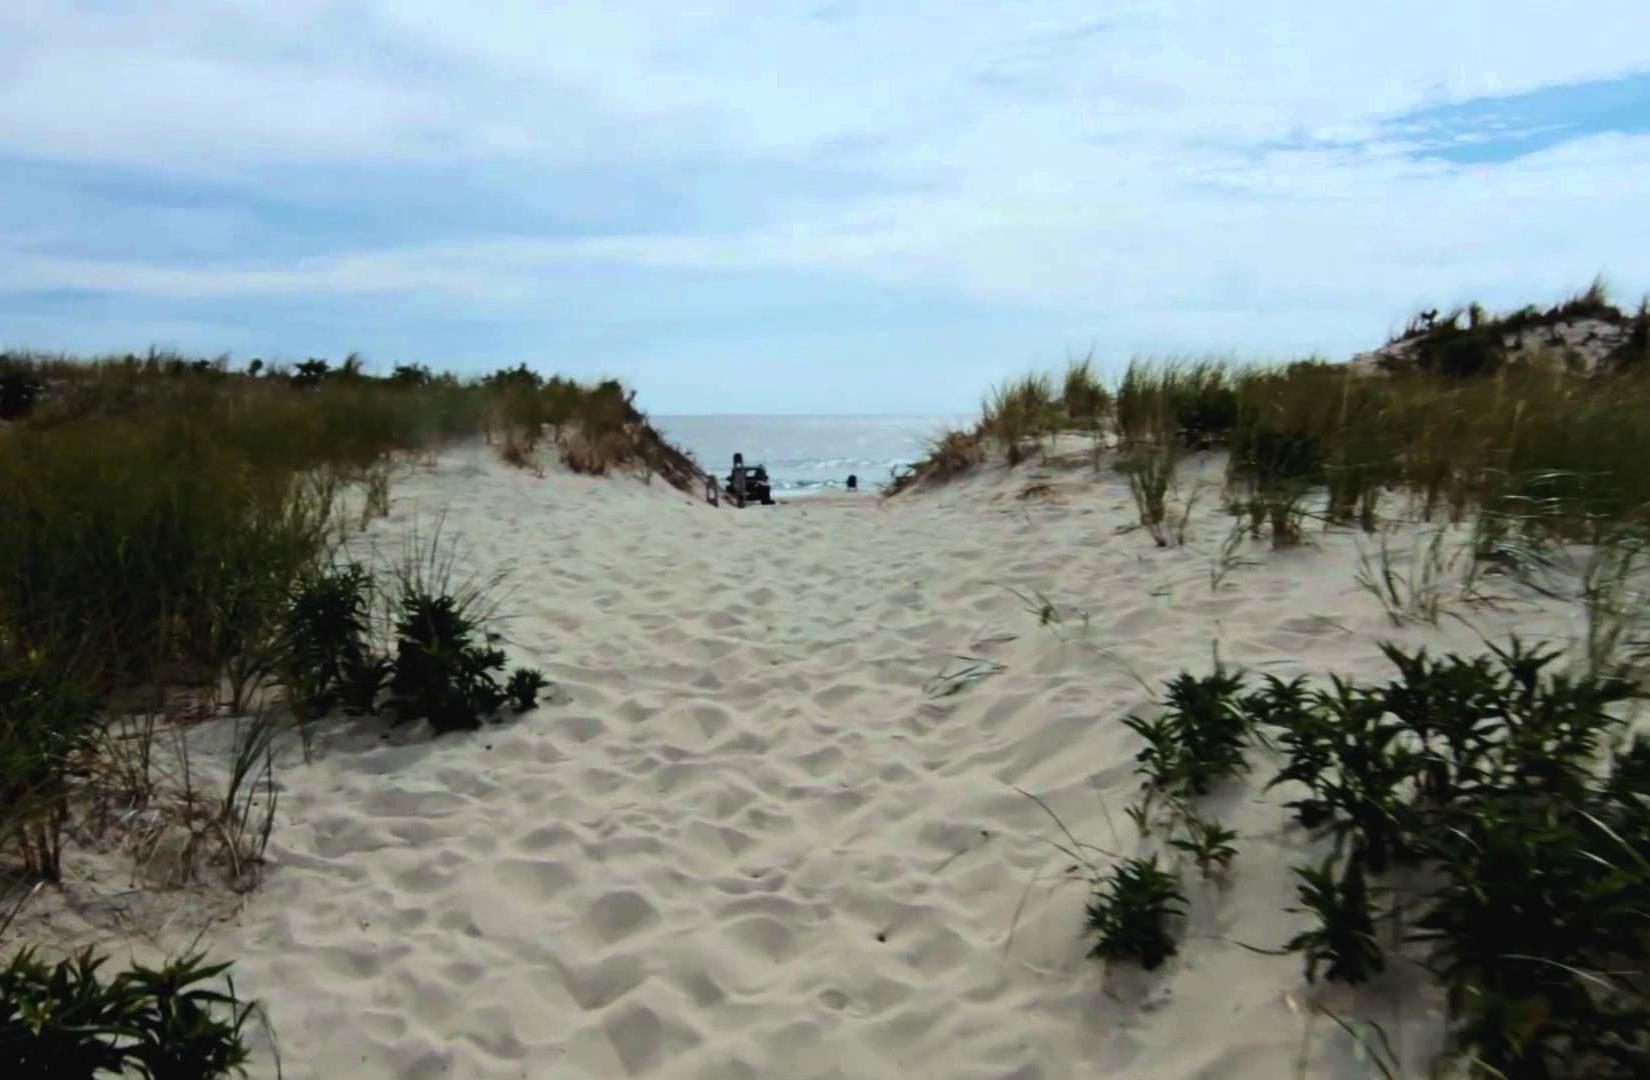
column 752, row 839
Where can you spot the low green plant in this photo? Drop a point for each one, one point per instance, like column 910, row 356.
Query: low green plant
column 1507, row 724
column 443, row 673
column 1208, row 843
column 65, row 1021
column 1141, row 815
column 524, row 686
column 1538, row 934
column 1534, row 905
column 328, row 642
column 1200, row 736
column 1343, row 941
column 1131, row 914
column 1358, row 769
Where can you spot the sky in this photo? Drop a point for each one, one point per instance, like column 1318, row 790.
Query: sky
column 833, row 206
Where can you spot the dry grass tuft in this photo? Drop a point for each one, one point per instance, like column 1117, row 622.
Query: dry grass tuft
column 950, row 455
column 518, row 450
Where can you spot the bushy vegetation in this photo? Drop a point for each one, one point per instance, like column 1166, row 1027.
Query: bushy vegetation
column 169, row 539
column 443, row 666
column 326, row 643
column 594, row 429
column 1442, row 345
column 1207, row 843
column 1192, row 403
column 1015, row 417
column 1198, row 739
column 1343, row 939
column 168, row 530
column 1526, row 448
column 65, row 1022
column 1132, row 914
column 1498, row 795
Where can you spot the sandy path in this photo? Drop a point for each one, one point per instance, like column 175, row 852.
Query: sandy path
column 753, row 838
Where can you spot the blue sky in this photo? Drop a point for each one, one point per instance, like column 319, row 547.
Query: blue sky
column 817, row 207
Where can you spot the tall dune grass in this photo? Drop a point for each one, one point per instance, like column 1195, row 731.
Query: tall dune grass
column 157, row 512
column 1015, row 417
column 1548, row 449
column 1192, row 401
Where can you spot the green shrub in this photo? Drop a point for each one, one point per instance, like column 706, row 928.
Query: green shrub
column 1358, row 769
column 1461, row 352
column 1538, row 933
column 1344, row 938
column 1130, row 914
column 1485, row 771
column 442, row 673
column 1199, row 738
column 444, row 669
column 65, row 1022
column 310, row 373
column 1208, row 843
column 523, row 688
column 411, row 375
column 328, row 642
column 522, row 377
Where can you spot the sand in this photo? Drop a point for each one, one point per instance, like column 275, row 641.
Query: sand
column 758, row 832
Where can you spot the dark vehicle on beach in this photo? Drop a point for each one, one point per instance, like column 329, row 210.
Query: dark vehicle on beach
column 757, row 489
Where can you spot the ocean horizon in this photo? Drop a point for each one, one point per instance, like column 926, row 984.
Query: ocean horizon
column 807, row 454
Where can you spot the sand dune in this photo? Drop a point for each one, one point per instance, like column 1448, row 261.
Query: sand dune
column 769, row 826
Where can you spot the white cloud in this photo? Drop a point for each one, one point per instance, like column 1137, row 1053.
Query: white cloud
column 1106, row 164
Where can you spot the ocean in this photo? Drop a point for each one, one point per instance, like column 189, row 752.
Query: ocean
column 807, row 455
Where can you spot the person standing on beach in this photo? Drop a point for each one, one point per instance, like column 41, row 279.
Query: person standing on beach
column 736, row 480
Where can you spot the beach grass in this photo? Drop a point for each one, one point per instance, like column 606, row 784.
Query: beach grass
column 158, row 515
column 1549, row 449
column 170, row 536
